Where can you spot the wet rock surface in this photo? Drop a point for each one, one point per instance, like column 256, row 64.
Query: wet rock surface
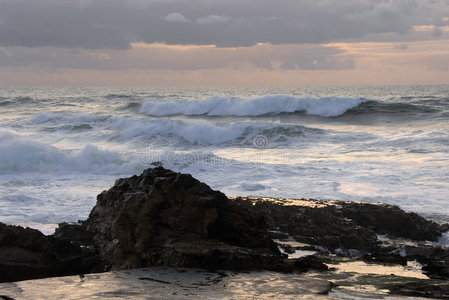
column 421, row 289
column 26, row 253
column 342, row 225
column 166, row 218
column 163, row 283
column 393, row 221
column 352, row 230
column 313, row 223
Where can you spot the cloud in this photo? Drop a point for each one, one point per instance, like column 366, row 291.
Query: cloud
column 319, row 58
column 5, row 52
column 115, row 24
column 212, row 19
column 165, row 57
column 176, row 18
column 401, row 47
column 437, row 32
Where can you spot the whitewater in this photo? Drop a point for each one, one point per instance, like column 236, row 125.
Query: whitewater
column 60, row 147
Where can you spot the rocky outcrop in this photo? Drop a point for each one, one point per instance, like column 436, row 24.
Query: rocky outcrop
column 339, row 224
column 351, row 229
column 171, row 219
column 393, row 221
column 26, row 253
column 167, row 218
column 322, row 226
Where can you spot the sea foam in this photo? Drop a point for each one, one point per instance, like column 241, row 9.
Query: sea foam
column 21, row 154
column 265, row 105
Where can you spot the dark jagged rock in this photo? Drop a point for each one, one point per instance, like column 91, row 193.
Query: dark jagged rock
column 26, row 253
column 435, row 268
column 421, row 289
column 434, row 258
column 344, row 226
column 391, row 220
column 310, row 262
column 75, row 233
column 318, row 225
column 339, row 224
column 166, row 218
column 385, row 258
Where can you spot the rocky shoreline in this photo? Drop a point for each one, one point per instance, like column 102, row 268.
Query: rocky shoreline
column 163, row 218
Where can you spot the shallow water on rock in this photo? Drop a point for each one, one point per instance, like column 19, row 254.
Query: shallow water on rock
column 350, row 281
column 412, row 270
column 170, row 283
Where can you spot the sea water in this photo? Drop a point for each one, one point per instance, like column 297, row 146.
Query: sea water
column 60, row 147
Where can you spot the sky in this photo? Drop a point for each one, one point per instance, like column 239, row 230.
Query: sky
column 196, row 43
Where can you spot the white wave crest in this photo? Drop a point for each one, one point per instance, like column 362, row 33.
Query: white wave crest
column 195, row 132
column 201, row 132
column 19, row 154
column 265, row 105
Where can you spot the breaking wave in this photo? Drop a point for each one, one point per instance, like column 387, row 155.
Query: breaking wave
column 220, row 106
column 201, row 132
column 265, row 105
column 19, row 154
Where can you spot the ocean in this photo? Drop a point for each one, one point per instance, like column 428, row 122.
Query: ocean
column 60, row 147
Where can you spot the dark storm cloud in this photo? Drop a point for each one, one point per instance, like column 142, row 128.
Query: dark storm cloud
column 115, row 24
column 64, row 23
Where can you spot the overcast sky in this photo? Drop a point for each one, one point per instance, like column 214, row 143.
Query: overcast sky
column 223, row 42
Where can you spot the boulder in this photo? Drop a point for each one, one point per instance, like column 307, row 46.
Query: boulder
column 167, row 218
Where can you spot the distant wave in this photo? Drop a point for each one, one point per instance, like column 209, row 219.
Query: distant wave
column 67, row 118
column 116, row 96
column 23, row 99
column 265, row 105
column 383, row 107
column 5, row 103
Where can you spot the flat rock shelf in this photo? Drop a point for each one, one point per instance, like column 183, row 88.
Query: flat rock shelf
column 169, row 283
